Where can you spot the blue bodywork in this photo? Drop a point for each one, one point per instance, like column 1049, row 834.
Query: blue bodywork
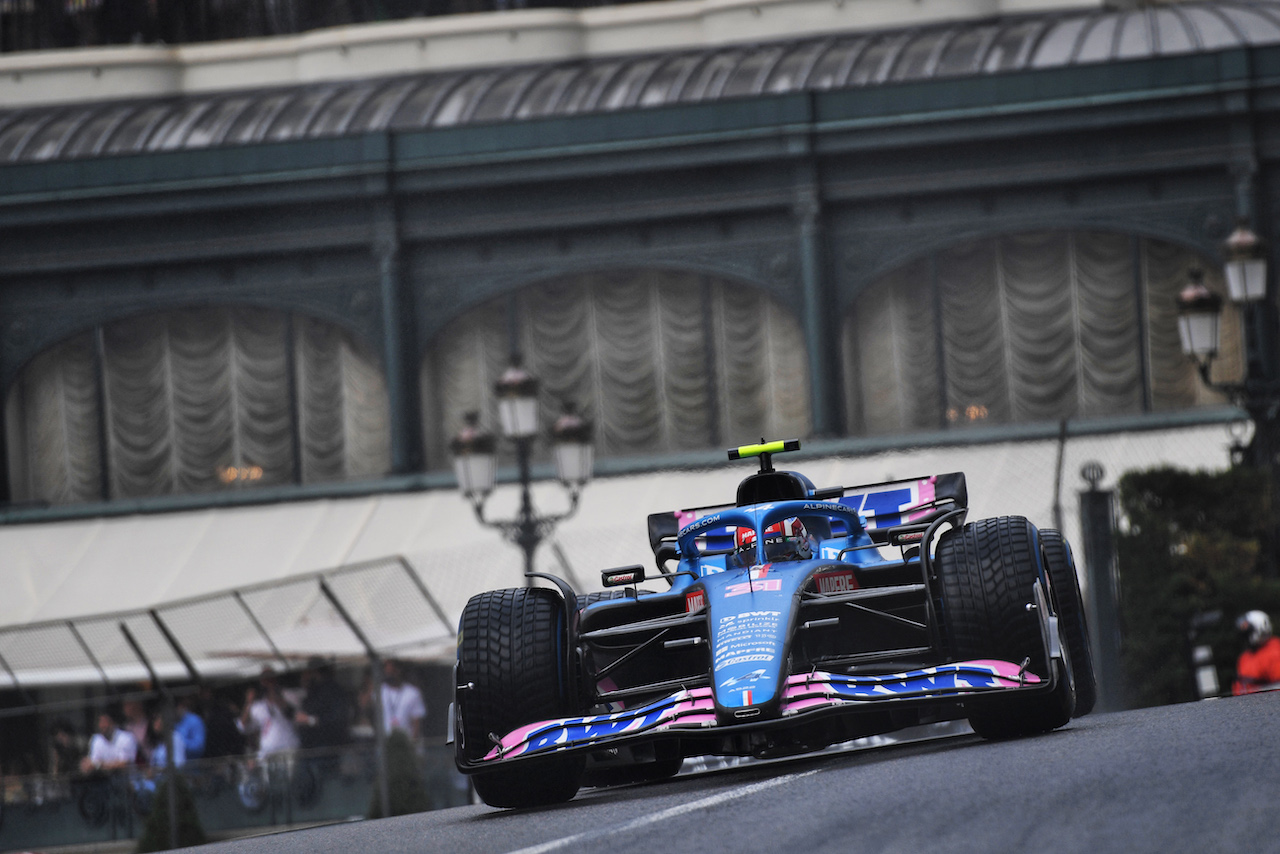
column 752, row 610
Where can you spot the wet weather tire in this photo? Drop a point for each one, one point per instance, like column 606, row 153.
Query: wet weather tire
column 511, row 651
column 1061, row 567
column 987, row 571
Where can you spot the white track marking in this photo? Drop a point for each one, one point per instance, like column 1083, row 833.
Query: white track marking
column 672, row 812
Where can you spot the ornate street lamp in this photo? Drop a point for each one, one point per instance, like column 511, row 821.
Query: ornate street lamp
column 1199, row 323
column 575, row 455
column 517, row 392
column 475, row 459
column 1200, row 317
column 1246, row 265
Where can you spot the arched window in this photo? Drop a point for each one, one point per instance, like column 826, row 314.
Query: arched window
column 195, row 400
column 1027, row 327
column 660, row 361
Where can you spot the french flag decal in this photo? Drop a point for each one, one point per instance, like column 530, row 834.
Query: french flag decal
column 746, row 697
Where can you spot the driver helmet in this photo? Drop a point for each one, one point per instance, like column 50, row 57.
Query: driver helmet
column 1255, row 626
column 785, row 540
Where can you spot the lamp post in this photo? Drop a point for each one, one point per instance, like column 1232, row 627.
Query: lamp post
column 475, row 459
column 1258, row 393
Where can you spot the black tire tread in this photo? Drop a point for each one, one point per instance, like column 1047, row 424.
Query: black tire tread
column 986, row 572
column 510, row 649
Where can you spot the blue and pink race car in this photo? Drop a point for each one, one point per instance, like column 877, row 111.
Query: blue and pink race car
column 794, row 619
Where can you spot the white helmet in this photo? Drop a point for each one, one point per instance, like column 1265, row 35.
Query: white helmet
column 1256, row 625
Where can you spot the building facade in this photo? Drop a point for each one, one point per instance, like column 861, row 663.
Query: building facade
column 896, row 230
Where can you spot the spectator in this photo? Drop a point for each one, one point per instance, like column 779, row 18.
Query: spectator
column 65, row 751
column 111, row 747
column 325, row 717
column 222, row 726
column 402, row 704
column 137, row 723
column 155, row 741
column 190, row 725
column 268, row 716
column 1258, row 667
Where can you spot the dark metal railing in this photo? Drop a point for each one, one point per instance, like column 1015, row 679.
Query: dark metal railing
column 232, row 795
column 54, row 24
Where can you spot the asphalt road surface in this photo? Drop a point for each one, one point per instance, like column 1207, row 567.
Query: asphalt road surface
column 1199, row 777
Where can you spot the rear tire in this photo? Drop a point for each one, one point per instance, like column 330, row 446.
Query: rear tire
column 511, row 649
column 1061, row 566
column 986, row 572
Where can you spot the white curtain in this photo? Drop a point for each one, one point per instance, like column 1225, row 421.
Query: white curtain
column 51, row 419
column 196, row 400
column 890, row 349
column 659, row 361
column 1034, row 327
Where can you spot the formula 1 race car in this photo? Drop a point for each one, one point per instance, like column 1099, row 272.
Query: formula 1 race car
column 794, row 619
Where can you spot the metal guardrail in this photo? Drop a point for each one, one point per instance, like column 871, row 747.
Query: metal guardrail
column 232, row 795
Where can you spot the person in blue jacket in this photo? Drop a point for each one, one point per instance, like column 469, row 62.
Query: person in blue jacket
column 191, row 727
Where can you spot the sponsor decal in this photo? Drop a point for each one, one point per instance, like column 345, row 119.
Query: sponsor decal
column 806, row 691
column 749, row 637
column 926, row 492
column 702, row 524
column 695, row 600
column 753, row 676
column 751, row 658
column 767, row 585
column 684, row 708
column 838, row 581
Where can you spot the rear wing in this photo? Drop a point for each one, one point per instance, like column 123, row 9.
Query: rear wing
column 883, row 507
column 916, row 501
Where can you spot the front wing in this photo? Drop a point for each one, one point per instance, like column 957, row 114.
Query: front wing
column 804, row 694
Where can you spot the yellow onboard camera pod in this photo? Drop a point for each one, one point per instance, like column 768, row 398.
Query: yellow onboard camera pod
column 765, row 451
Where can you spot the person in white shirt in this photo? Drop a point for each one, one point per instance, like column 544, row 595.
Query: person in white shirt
column 111, row 747
column 269, row 715
column 402, row 704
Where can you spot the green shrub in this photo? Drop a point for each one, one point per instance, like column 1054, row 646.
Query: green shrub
column 1192, row 547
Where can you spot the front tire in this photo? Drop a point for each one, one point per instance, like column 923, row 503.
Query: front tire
column 986, row 572
column 511, row 650
column 1061, row 566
